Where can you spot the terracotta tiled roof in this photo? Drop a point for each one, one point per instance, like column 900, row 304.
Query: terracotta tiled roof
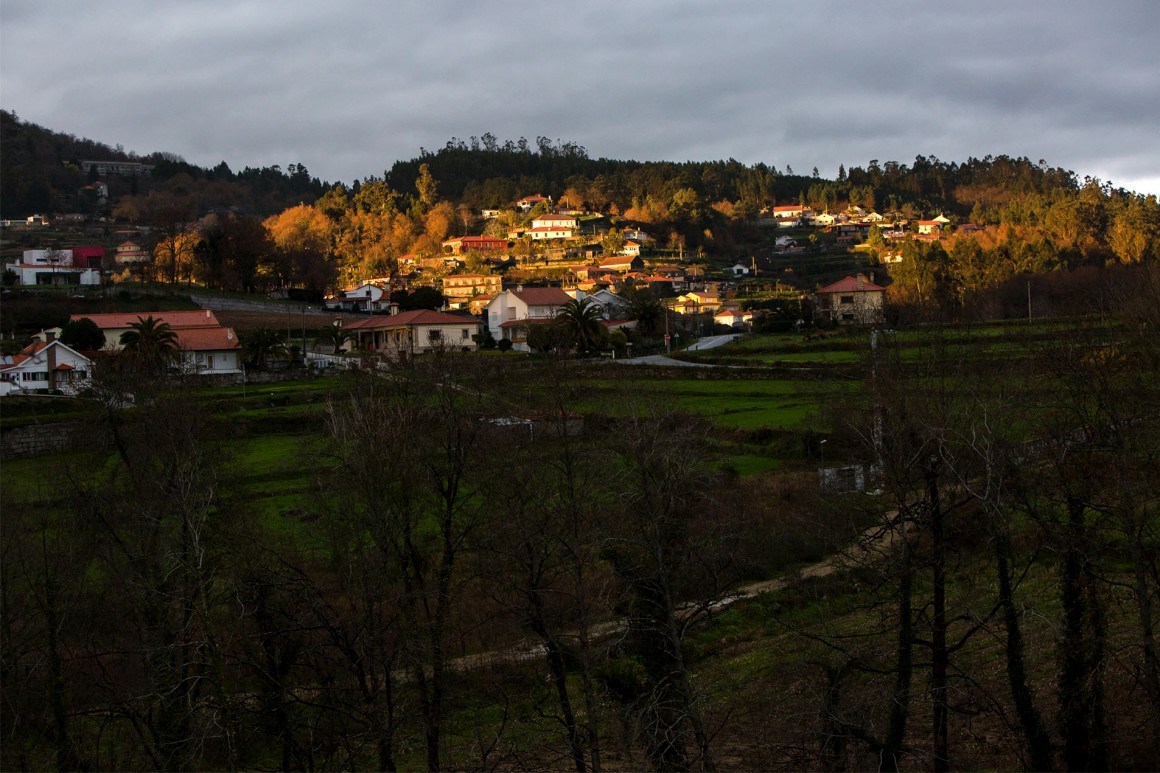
column 206, row 339
column 851, row 284
column 542, row 296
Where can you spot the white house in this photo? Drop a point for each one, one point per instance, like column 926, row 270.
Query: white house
column 733, row 317
column 130, row 253
column 113, row 325
column 558, row 222
column 54, row 267
column 368, row 296
column 46, row 366
column 789, row 211
column 512, row 312
column 206, row 351
column 408, row 333
column 611, row 305
column 528, row 202
column 853, row 299
column 548, row 232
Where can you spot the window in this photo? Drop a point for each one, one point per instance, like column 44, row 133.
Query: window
column 464, row 334
column 434, row 335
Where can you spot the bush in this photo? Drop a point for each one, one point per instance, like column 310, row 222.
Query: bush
column 504, row 345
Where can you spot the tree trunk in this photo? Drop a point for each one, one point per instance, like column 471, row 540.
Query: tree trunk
column 1035, row 735
column 892, row 746
column 940, row 656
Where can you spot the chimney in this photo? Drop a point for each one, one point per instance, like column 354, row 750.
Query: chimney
column 49, row 336
column 207, row 314
column 229, row 334
column 50, row 354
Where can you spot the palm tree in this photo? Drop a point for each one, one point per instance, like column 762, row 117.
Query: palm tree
column 334, row 336
column 581, row 321
column 152, row 342
column 261, row 345
column 648, row 312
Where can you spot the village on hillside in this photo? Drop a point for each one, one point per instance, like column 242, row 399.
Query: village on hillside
column 493, row 290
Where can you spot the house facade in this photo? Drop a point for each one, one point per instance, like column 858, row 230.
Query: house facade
column 462, row 244
column 45, row 366
column 113, row 325
column 544, row 233
column 512, row 312
column 208, row 351
column 558, row 222
column 852, row 300
column 58, row 267
column 409, row 333
column 461, row 289
column 623, row 264
column 131, row 254
column 370, row 297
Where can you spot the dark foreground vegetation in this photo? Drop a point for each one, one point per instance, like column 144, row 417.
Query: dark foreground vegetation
column 482, row 562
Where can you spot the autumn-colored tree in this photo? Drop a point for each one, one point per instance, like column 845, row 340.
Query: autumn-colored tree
column 427, row 187
column 441, row 220
column 363, row 246
column 175, row 255
column 1131, row 234
column 304, row 238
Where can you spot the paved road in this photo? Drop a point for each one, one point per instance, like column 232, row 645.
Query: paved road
column 708, row 342
column 712, row 342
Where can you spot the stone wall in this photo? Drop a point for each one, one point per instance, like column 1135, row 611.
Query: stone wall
column 38, row 439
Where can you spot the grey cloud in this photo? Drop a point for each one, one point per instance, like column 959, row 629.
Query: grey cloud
column 348, row 89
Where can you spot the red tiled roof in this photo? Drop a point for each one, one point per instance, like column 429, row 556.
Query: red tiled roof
column 206, row 339
column 542, row 296
column 175, row 319
column 851, row 284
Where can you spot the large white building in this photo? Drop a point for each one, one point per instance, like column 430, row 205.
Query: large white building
column 512, row 312
column 54, row 267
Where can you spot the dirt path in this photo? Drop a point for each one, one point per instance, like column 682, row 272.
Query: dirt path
column 871, row 543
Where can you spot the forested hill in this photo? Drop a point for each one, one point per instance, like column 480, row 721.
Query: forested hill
column 41, row 173
column 482, row 172
column 706, row 205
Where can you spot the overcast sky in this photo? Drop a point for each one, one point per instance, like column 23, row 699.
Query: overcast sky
column 348, row 88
